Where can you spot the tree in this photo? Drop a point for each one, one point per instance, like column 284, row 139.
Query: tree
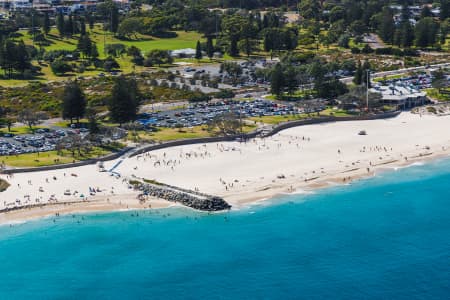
column 344, row 40
column 405, row 35
column 7, row 56
column 82, row 26
column 115, row 50
column 68, row 27
column 30, row 117
column 277, row 81
column 60, row 24
column 133, row 51
column 130, row 27
column 357, row 79
column 357, row 28
column 22, row 57
column 8, row 121
column 124, row 101
column 85, row 45
column 225, row 94
column 74, row 142
column 386, row 25
column 439, row 80
column 198, row 51
column 358, row 95
column 90, row 20
column 40, row 39
column 92, row 121
column 136, row 55
column 46, row 24
column 365, row 74
column 426, row 12
column 310, row 9
column 74, row 102
column 271, row 40
column 110, row 64
column 14, row 56
column 228, row 123
column 109, row 12
column 233, row 69
column 59, row 67
column 426, row 32
column 232, row 26
column 209, row 47
column 94, row 52
column 336, row 13
column 248, row 46
column 276, row 39
column 444, row 30
column 445, row 9
column 158, row 57
column 248, row 42
column 290, row 80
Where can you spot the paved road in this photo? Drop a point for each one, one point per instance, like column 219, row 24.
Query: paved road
column 374, row 41
column 396, row 72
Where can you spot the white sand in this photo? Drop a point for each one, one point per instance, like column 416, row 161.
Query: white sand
column 247, row 172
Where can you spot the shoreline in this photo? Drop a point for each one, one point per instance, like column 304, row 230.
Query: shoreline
column 333, row 180
column 47, row 210
column 299, row 159
column 122, row 203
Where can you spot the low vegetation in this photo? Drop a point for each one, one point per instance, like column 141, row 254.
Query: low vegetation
column 51, row 158
column 3, row 185
column 442, row 95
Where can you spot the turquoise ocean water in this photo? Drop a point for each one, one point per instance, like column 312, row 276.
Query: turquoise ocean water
column 382, row 238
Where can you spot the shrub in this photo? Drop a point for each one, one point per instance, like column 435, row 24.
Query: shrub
column 60, row 67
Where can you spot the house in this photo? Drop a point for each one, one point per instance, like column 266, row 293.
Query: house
column 183, row 53
column 401, row 95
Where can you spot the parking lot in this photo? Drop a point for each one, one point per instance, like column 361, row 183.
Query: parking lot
column 201, row 114
column 420, row 82
column 43, row 140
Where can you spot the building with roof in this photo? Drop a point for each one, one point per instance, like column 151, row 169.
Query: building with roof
column 183, row 53
column 401, row 95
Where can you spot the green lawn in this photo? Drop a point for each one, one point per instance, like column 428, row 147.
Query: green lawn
column 297, row 94
column 434, row 94
column 50, row 158
column 390, row 77
column 100, row 37
column 171, row 134
column 335, row 112
column 20, row 130
column 274, row 120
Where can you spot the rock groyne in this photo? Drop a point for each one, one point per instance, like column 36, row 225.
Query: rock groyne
column 192, row 199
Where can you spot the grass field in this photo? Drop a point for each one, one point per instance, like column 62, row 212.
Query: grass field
column 335, row 112
column 100, row 37
column 299, row 94
column 274, row 120
column 20, row 129
column 434, row 94
column 390, row 77
column 171, row 134
column 50, row 158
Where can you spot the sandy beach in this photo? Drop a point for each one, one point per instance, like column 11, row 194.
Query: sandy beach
column 301, row 158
